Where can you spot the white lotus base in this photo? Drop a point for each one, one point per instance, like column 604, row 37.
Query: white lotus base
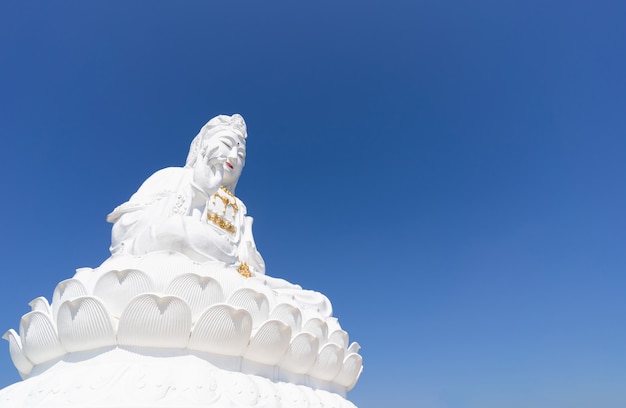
column 124, row 378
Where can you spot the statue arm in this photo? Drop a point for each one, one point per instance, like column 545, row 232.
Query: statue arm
column 155, row 188
column 152, row 201
column 206, row 176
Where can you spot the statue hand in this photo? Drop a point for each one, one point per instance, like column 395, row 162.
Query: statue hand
column 205, row 156
column 208, row 171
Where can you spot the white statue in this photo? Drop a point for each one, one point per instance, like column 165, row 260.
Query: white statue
column 167, row 318
column 193, row 210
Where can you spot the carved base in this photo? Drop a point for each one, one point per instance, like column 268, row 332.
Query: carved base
column 121, row 378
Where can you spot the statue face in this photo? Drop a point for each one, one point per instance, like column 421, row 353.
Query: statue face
column 233, row 148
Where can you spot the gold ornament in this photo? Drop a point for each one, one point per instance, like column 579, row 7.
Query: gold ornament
column 244, row 270
column 221, row 222
column 227, row 200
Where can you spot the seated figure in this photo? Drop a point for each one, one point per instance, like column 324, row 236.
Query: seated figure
column 193, row 210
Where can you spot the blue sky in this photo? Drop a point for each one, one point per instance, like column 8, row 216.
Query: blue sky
column 450, row 174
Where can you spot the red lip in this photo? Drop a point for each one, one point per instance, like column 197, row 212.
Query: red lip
column 229, row 165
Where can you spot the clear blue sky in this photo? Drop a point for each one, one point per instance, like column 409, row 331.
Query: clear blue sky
column 450, row 174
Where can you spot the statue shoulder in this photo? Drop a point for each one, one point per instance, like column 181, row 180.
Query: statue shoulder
column 165, row 180
column 160, row 184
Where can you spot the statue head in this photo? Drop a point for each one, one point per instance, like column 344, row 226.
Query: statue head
column 214, row 127
column 227, row 135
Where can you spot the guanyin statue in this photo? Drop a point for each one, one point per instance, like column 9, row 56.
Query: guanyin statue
column 193, row 210
column 182, row 314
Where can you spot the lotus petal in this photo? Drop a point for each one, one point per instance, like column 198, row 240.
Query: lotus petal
column 261, row 286
column 354, row 348
column 40, row 305
column 349, row 373
column 117, row 288
column 339, row 337
column 208, row 268
column 269, row 343
column 333, row 324
column 228, row 277
column 66, row 290
column 317, row 328
column 82, row 274
column 311, row 301
column 328, row 363
column 164, row 267
column 222, row 329
column 254, row 302
column 199, row 292
column 289, row 315
column 84, row 324
column 301, row 353
column 118, row 262
column 20, row 361
column 153, row 321
column 40, row 342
